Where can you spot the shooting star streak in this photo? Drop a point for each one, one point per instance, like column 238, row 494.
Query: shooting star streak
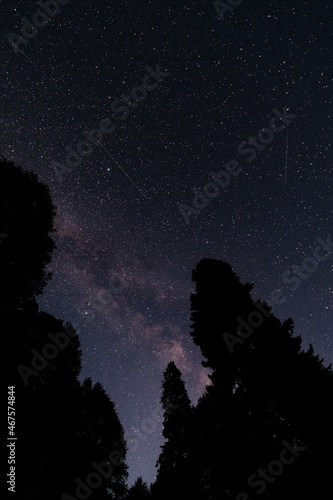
column 125, row 173
column 286, row 167
column 83, row 114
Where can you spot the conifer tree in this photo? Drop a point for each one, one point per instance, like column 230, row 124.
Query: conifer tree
column 265, row 390
column 139, row 491
column 103, row 433
column 173, row 464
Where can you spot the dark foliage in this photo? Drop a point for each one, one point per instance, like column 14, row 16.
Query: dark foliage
column 139, row 491
column 26, row 221
column 269, row 400
column 173, row 474
column 265, row 392
column 62, row 426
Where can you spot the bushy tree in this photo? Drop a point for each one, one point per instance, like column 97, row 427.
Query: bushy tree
column 26, row 224
column 62, row 426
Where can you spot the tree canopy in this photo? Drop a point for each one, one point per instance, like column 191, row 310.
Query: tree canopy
column 26, row 224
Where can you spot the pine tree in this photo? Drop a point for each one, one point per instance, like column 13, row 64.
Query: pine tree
column 173, row 463
column 103, row 434
column 218, row 300
column 139, row 491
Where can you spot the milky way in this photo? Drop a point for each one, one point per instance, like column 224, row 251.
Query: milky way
column 122, row 269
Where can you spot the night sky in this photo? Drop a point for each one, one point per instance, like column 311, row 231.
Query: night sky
column 121, row 236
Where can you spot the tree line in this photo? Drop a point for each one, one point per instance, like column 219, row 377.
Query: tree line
column 262, row 428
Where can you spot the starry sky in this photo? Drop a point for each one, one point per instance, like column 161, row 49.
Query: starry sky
column 122, row 269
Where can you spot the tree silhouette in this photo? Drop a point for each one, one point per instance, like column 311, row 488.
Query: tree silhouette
column 48, row 401
column 139, row 491
column 62, row 427
column 26, row 220
column 103, row 434
column 218, row 300
column 265, row 391
column 172, row 479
